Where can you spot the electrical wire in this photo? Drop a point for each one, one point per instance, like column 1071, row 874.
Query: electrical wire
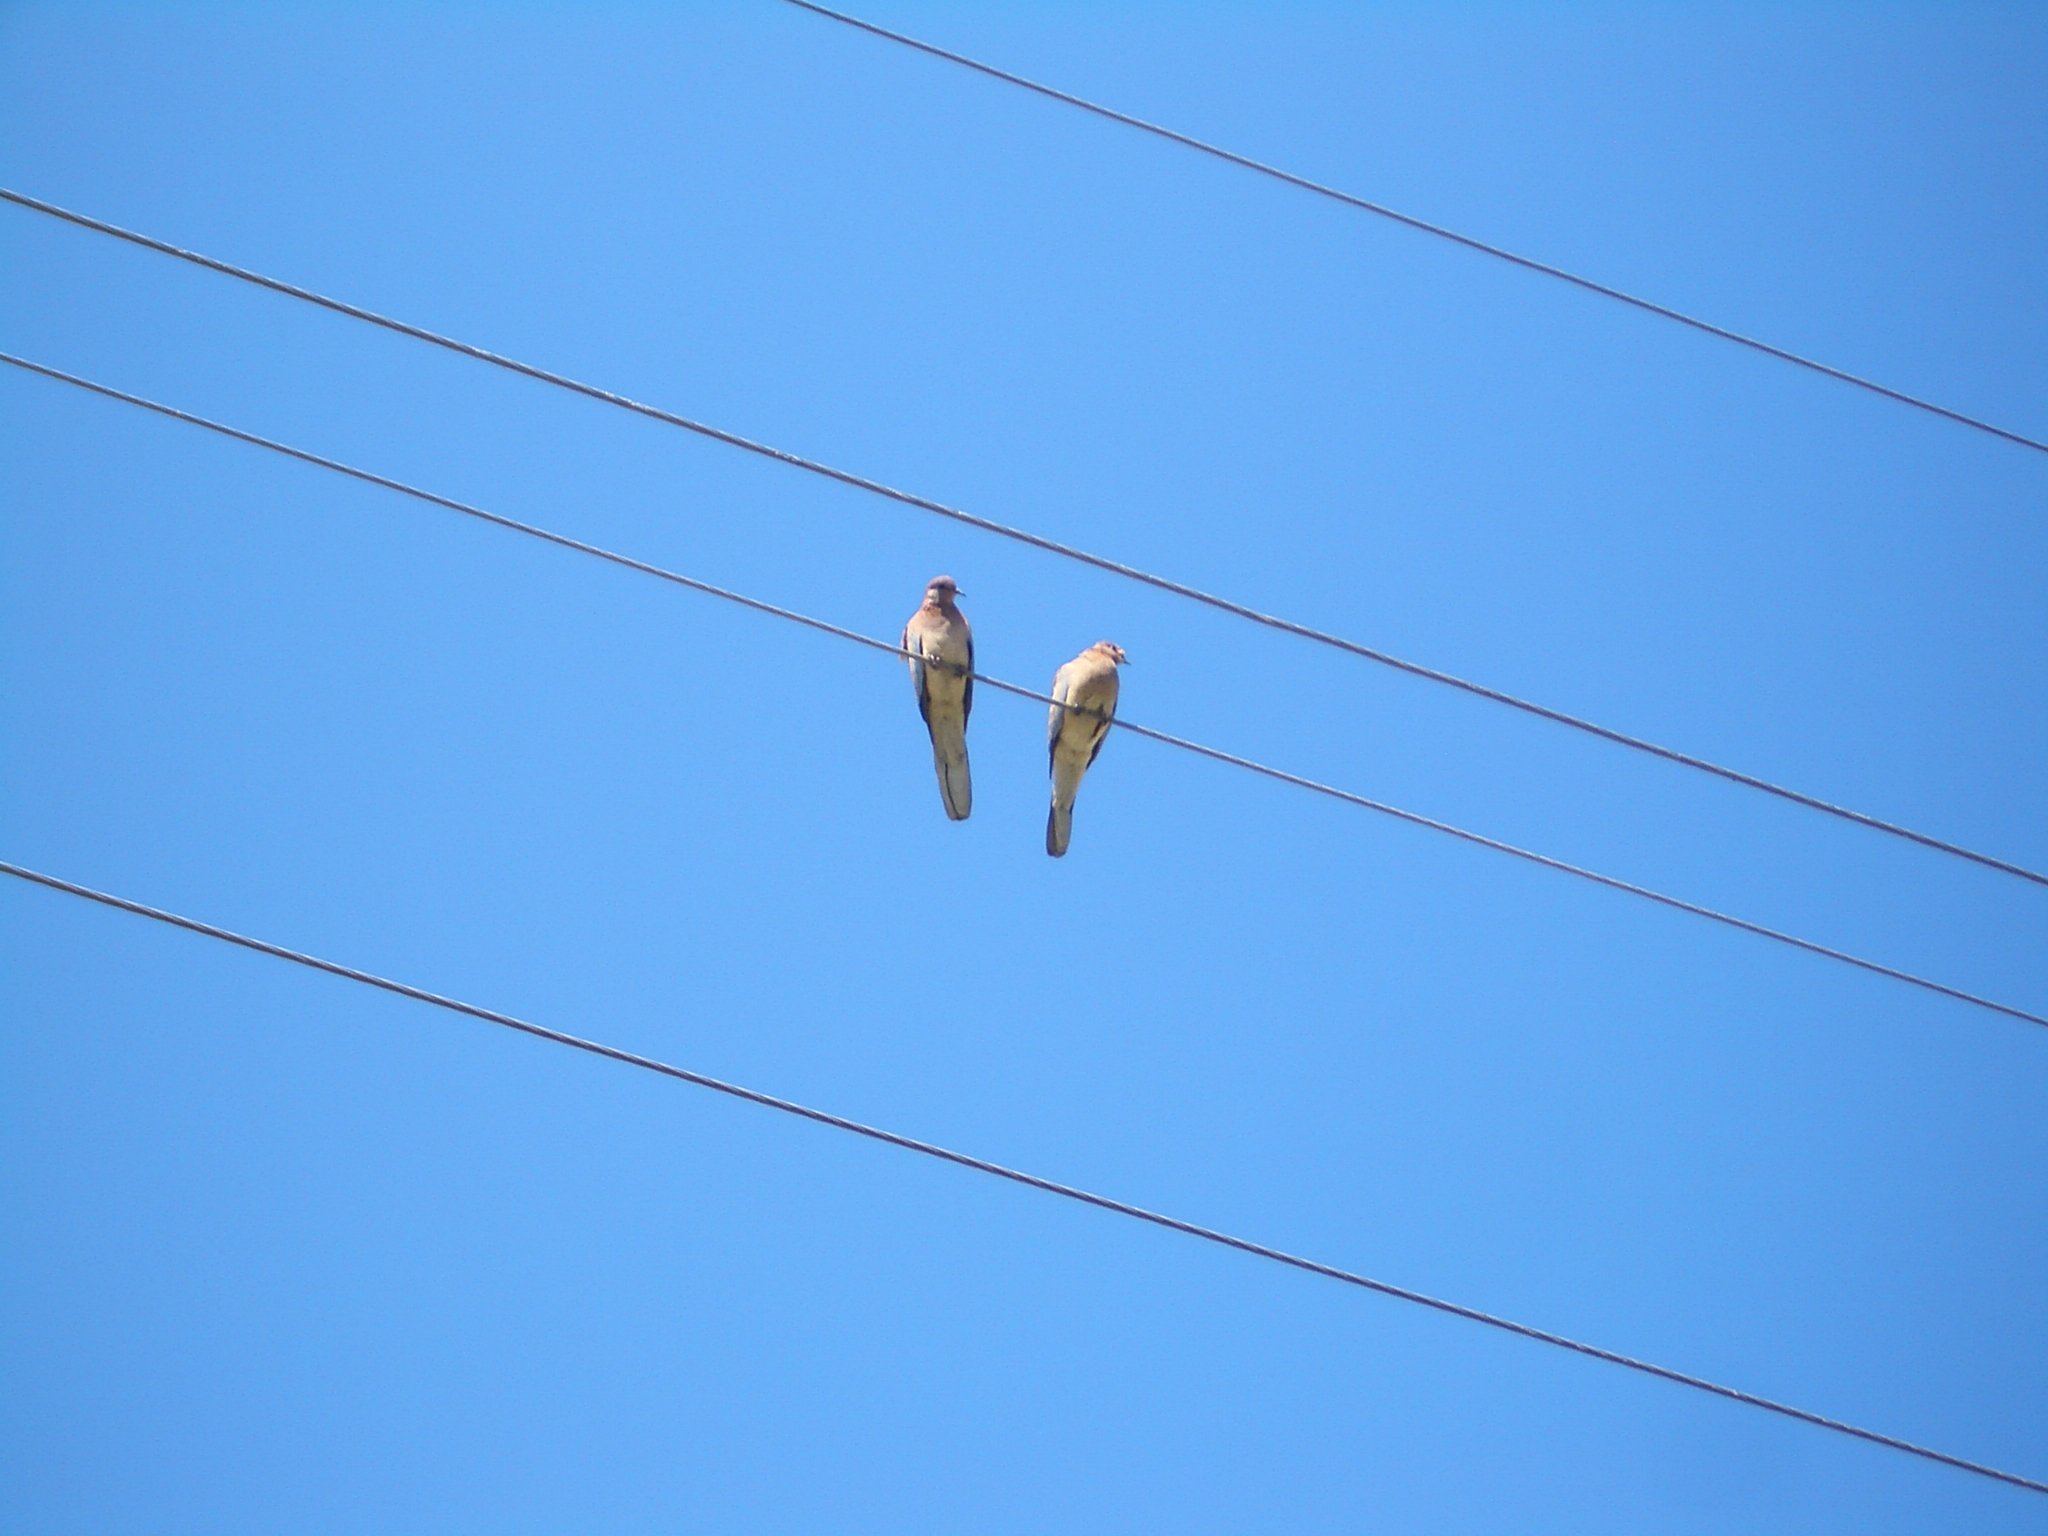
column 1015, row 1176
column 1035, row 541
column 1352, row 200
column 1148, row 733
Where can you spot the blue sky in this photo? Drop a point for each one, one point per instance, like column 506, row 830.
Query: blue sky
column 280, row 1253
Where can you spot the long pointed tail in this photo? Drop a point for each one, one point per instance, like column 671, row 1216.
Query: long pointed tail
column 949, row 761
column 1059, row 822
column 1059, row 829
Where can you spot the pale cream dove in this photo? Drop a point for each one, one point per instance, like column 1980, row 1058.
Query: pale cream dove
column 942, row 656
column 1085, row 691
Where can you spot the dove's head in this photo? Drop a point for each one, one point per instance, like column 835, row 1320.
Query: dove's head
column 942, row 591
column 1113, row 653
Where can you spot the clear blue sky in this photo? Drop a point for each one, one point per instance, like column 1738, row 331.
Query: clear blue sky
column 277, row 1253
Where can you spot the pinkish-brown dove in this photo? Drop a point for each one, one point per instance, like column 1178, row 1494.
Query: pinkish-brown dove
column 1085, row 694
column 941, row 659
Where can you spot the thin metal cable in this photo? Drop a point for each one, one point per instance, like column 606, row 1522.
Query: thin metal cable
column 1147, row 732
column 1036, row 541
column 1352, row 200
column 1015, row 1176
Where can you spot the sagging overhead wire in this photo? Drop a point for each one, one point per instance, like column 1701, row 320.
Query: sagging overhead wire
column 1037, row 541
column 1148, row 733
column 1017, row 1176
column 1352, row 200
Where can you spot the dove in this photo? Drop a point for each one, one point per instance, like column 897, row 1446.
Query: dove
column 941, row 650
column 1084, row 691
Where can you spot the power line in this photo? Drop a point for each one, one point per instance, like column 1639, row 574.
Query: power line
column 1015, row 1176
column 1352, row 200
column 1035, row 541
column 1216, row 754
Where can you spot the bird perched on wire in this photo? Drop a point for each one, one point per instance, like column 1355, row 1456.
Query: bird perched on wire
column 1085, row 691
column 941, row 647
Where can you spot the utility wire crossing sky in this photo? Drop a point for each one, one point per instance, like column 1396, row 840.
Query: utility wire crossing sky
column 1024, row 536
column 1438, row 230
column 981, row 1165
column 1149, row 733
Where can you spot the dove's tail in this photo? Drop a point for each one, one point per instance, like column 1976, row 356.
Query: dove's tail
column 949, row 760
column 1059, row 827
column 1066, row 783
